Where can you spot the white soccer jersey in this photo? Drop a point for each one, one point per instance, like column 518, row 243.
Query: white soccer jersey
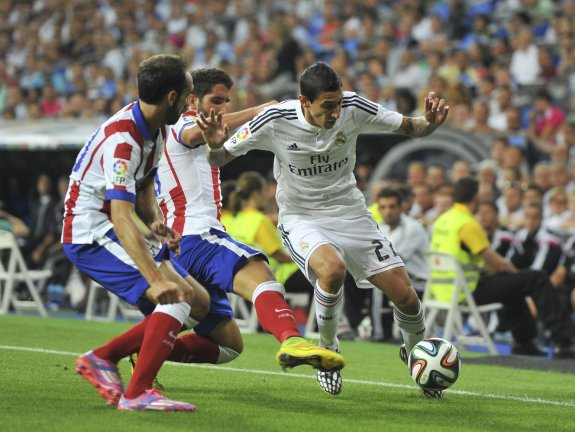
column 187, row 187
column 118, row 157
column 314, row 166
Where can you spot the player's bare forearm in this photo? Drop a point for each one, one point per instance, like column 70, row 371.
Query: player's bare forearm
column 192, row 136
column 218, row 157
column 435, row 113
column 415, row 127
column 132, row 240
column 146, row 205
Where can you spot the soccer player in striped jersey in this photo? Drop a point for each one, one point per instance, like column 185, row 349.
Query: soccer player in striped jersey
column 323, row 218
column 188, row 192
column 112, row 183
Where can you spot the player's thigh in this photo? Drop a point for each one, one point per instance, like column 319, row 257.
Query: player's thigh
column 227, row 334
column 316, row 253
column 397, row 287
column 201, row 299
column 255, row 272
column 329, row 266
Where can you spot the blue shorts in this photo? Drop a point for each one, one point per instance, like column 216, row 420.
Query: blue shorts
column 107, row 262
column 213, row 259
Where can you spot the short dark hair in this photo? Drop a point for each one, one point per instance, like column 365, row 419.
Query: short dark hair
column 205, row 79
column 491, row 204
column 465, row 190
column 317, row 79
column 390, row 193
column 160, row 74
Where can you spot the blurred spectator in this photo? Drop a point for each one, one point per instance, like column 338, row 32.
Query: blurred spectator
column 524, row 61
column 511, row 213
column 542, row 176
column 500, row 238
column 416, row 172
column 480, row 118
column 50, row 103
column 546, row 120
column 42, row 223
column 558, row 211
column 535, row 247
column 423, row 202
column 15, row 225
column 460, row 169
column 435, row 176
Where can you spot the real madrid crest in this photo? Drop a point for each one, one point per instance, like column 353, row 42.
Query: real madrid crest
column 303, row 246
column 340, row 139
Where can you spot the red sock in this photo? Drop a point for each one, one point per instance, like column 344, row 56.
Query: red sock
column 275, row 316
column 161, row 333
column 123, row 345
column 193, row 348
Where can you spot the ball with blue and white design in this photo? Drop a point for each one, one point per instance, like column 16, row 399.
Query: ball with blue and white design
column 434, row 364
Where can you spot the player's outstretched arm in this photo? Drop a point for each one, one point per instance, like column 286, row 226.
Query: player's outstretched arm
column 192, row 135
column 436, row 111
column 215, row 134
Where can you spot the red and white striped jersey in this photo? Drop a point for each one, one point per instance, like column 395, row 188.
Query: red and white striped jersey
column 116, row 159
column 187, row 186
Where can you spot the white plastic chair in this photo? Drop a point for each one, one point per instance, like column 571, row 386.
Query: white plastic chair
column 115, row 304
column 453, row 326
column 17, row 271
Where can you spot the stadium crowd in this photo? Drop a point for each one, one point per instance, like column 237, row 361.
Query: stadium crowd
column 507, row 68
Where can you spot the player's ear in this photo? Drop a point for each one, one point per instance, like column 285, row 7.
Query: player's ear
column 304, row 101
column 193, row 101
column 172, row 97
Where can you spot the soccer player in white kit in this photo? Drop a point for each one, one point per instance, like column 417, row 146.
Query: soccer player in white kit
column 111, row 183
column 323, row 217
column 188, row 192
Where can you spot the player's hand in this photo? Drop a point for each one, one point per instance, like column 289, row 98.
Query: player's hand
column 435, row 110
column 165, row 292
column 214, row 131
column 166, row 235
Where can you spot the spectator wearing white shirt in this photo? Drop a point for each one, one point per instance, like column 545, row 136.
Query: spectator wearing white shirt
column 524, row 61
column 410, row 241
column 407, row 235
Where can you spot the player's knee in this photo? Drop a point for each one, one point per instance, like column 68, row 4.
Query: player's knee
column 333, row 276
column 200, row 305
column 407, row 301
column 228, row 354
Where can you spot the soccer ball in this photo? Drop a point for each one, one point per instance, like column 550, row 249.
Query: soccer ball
column 434, row 364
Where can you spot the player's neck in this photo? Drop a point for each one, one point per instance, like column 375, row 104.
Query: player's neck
column 308, row 117
column 153, row 116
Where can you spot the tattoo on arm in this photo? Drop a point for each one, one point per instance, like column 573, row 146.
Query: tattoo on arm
column 415, row 127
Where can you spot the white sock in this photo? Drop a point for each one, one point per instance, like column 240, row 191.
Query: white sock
column 327, row 308
column 412, row 327
column 179, row 311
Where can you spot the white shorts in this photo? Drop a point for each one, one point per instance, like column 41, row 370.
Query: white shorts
column 364, row 248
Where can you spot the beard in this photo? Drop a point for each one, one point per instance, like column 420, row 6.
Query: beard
column 173, row 114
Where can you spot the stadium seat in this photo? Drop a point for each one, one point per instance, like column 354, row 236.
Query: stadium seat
column 13, row 270
column 244, row 314
column 115, row 304
column 453, row 311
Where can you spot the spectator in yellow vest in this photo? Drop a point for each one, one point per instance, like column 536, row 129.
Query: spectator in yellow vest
column 494, row 279
column 251, row 226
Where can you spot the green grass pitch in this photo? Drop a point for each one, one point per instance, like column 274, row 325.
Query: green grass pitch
column 40, row 390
